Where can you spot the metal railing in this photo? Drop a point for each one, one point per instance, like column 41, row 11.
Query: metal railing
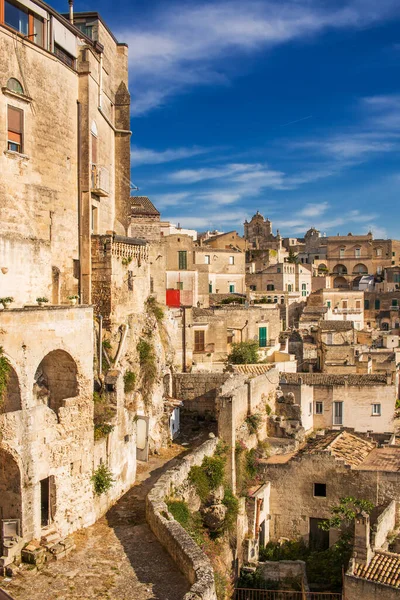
column 252, row 594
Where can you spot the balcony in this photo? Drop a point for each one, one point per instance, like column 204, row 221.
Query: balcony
column 347, row 311
column 100, row 181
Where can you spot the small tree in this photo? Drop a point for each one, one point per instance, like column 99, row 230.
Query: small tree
column 344, row 514
column 293, row 257
column 244, row 353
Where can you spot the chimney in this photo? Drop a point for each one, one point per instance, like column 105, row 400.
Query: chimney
column 71, row 11
column 362, row 549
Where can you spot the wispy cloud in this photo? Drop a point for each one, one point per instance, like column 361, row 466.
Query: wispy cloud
column 314, row 210
column 188, row 44
column 146, row 156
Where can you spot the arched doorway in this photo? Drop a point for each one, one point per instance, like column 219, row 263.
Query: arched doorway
column 10, row 487
column 11, row 400
column 56, row 379
column 340, row 282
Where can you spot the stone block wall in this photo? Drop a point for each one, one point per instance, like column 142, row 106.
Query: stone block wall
column 356, row 588
column 199, row 391
column 189, row 557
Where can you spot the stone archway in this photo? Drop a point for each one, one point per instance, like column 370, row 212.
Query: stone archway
column 11, row 400
column 56, row 379
column 10, row 487
column 340, row 282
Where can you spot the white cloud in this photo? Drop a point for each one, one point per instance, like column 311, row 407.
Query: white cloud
column 142, row 156
column 188, row 44
column 171, row 199
column 314, row 210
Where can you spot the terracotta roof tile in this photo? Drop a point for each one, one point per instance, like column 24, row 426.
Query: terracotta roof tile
column 252, row 369
column 355, row 379
column 383, row 568
column 336, row 325
column 142, row 205
column 350, row 448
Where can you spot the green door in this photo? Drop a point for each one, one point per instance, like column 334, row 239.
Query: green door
column 262, row 337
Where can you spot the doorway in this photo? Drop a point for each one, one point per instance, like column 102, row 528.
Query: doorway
column 47, row 501
column 319, row 539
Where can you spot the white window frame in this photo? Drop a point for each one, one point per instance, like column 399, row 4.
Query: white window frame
column 319, row 408
column 376, row 409
column 207, row 259
column 231, row 260
column 336, row 403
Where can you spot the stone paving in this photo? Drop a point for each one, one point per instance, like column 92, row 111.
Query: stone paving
column 117, row 558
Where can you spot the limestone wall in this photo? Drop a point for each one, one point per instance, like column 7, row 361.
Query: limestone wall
column 356, row 588
column 199, row 391
column 189, row 557
column 385, row 523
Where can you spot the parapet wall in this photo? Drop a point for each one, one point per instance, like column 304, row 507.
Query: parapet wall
column 188, row 556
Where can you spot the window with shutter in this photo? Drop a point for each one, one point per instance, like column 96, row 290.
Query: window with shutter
column 199, row 341
column 15, row 129
column 262, row 337
column 182, row 260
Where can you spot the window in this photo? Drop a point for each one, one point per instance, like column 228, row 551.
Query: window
column 231, row 260
column 377, row 304
column 366, row 304
column 341, row 252
column 357, row 252
column 310, row 408
column 262, row 337
column 15, row 129
column 278, row 269
column 329, row 339
column 275, row 299
column 270, row 287
column 376, row 410
column 320, row 490
column 210, row 287
column 66, row 58
column 16, row 17
column 319, row 408
column 344, row 303
column 86, row 29
column 379, row 252
column 338, row 413
column 395, row 302
column 207, row 259
column 14, row 86
column 179, row 285
column 94, row 219
column 358, row 304
column 303, row 289
column 328, row 303
column 231, row 288
column 182, row 259
column 199, row 341
column 289, row 287
column 25, row 22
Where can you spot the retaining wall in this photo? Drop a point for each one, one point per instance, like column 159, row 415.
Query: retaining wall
column 188, row 556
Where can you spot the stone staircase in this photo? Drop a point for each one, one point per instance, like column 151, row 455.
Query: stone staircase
column 50, row 547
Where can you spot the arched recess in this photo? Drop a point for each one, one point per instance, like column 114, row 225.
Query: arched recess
column 10, row 487
column 340, row 282
column 322, row 268
column 11, row 400
column 340, row 269
column 360, row 269
column 56, row 379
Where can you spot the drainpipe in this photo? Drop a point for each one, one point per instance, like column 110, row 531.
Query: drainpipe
column 71, row 11
column 101, row 81
column 241, row 330
column 100, row 345
column 121, row 345
column 183, row 339
column 80, row 240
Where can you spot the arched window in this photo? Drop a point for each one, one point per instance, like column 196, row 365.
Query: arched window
column 360, row 269
column 14, row 86
column 340, row 269
column 56, row 379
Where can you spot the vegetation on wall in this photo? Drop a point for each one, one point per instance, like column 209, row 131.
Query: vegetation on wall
column 102, row 430
column 154, row 309
column 5, row 367
column 103, row 413
column 253, row 423
column 208, row 476
column 148, row 367
column 233, row 300
column 129, row 381
column 102, row 479
column 247, row 468
column 244, row 353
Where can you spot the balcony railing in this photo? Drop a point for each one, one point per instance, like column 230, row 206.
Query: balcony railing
column 100, row 181
column 347, row 311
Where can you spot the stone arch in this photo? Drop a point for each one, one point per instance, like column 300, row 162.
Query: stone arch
column 340, row 269
column 360, row 269
column 10, row 487
column 322, row 268
column 340, row 282
column 11, row 400
column 56, row 379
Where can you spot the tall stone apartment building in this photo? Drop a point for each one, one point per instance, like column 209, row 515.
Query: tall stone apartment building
column 64, row 191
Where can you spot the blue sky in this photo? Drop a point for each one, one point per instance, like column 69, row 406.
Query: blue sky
column 291, row 107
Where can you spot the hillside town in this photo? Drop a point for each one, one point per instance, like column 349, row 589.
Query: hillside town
column 185, row 414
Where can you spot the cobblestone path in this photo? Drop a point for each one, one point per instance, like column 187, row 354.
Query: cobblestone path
column 117, row 558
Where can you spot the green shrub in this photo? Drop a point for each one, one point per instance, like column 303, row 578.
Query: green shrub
column 180, row 511
column 129, row 381
column 208, row 476
column 102, row 480
column 102, row 429
column 5, row 367
column 232, row 504
column 253, row 422
column 199, row 479
column 106, row 344
column 289, row 550
column 244, row 353
column 148, row 367
column 145, row 351
column 233, row 300
column 154, row 309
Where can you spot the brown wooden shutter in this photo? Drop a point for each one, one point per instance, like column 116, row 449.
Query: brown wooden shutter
column 94, row 150
column 14, row 120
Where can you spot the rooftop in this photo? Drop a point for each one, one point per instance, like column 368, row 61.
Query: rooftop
column 253, row 369
column 355, row 379
column 343, row 445
column 336, row 325
column 383, row 459
column 142, row 205
column 383, row 568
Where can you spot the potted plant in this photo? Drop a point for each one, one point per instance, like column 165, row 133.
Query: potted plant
column 6, row 301
column 73, row 300
column 42, row 300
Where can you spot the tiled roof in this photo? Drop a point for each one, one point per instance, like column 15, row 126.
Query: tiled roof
column 336, row 325
column 252, row 369
column 202, row 312
column 383, row 459
column 141, row 205
column 355, row 379
column 383, row 568
column 315, row 309
column 350, row 448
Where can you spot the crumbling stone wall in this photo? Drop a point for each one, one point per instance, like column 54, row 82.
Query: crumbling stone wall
column 187, row 554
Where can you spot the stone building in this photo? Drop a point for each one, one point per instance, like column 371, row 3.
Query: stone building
column 230, row 239
column 144, row 219
column 382, row 310
column 337, row 305
column 282, row 277
column 365, row 402
column 331, row 466
column 259, row 235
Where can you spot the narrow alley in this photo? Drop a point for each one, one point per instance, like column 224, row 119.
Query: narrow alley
column 118, row 558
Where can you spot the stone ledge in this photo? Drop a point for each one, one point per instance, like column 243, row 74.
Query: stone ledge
column 189, row 557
